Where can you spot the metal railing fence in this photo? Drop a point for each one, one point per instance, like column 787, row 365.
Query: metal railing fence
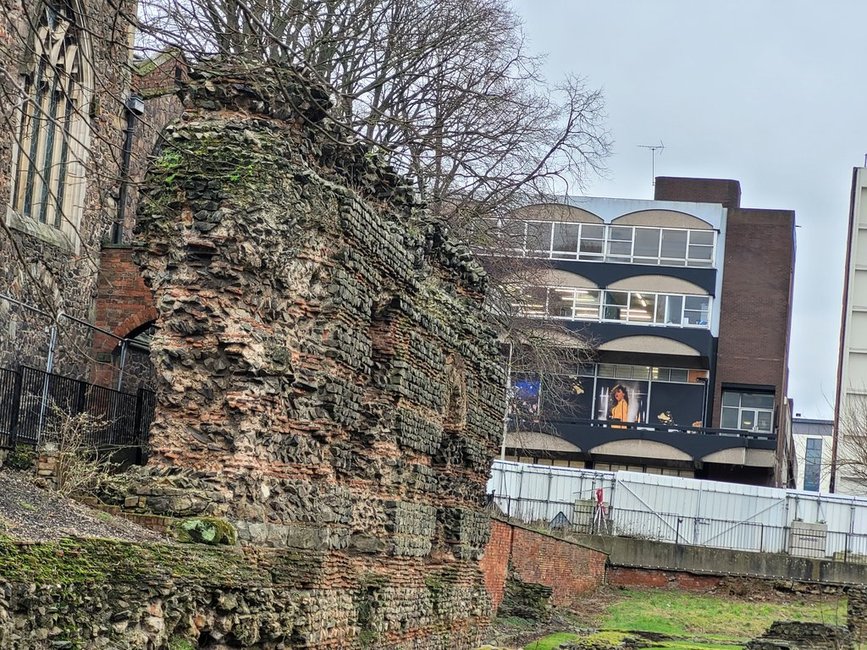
column 34, row 405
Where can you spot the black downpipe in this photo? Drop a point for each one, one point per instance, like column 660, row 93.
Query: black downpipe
column 134, row 107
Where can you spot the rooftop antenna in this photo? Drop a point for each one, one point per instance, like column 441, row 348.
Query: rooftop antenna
column 653, row 149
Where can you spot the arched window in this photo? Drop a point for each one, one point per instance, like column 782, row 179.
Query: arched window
column 53, row 135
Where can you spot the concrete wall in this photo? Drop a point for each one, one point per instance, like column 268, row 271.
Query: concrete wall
column 627, row 552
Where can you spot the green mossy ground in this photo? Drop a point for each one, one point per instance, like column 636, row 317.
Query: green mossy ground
column 74, row 561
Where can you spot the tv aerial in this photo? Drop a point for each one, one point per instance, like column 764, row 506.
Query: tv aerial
column 654, row 148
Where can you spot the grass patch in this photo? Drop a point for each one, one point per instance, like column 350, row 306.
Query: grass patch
column 716, row 617
column 552, row 641
column 695, row 645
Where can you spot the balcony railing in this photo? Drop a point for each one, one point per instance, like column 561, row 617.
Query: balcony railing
column 537, row 424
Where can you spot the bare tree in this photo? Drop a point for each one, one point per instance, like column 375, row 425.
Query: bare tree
column 446, row 92
column 445, row 89
column 849, row 468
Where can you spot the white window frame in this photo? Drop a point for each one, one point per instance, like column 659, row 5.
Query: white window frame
column 607, row 241
column 740, row 408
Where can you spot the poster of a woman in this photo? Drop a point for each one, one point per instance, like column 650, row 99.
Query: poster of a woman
column 618, row 404
column 619, row 401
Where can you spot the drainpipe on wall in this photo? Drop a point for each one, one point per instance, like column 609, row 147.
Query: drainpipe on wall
column 134, row 107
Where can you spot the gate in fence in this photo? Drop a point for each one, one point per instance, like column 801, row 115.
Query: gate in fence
column 35, row 404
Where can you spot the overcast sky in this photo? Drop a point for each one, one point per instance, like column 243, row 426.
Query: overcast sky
column 768, row 92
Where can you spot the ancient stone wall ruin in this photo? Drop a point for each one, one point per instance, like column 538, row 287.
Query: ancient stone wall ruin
column 326, row 379
column 856, row 598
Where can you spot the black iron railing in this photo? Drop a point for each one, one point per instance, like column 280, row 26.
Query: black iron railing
column 35, row 404
column 532, row 424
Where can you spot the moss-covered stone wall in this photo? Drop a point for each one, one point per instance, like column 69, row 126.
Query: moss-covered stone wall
column 326, row 380
column 89, row 594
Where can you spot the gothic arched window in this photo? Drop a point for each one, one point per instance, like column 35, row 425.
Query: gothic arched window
column 53, row 135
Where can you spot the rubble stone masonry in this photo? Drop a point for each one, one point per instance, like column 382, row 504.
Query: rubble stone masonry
column 326, row 380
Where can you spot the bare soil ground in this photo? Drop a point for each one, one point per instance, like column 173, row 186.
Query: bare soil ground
column 31, row 513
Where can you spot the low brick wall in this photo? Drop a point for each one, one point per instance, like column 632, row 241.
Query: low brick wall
column 657, row 579
column 570, row 569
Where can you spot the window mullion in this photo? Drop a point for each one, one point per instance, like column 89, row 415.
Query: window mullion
column 551, row 242
column 50, row 174
column 34, row 135
column 67, row 135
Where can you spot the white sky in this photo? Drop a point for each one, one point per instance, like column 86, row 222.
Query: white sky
column 768, row 92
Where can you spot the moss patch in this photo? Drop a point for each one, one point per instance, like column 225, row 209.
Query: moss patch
column 205, row 530
column 73, row 561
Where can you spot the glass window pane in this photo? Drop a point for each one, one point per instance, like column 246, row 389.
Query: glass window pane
column 642, row 307
column 615, row 305
column 695, row 310
column 566, row 237
column 640, row 372
column 539, row 237
column 748, row 419
column 620, row 248
column 763, row 421
column 731, row 398
column 678, row 374
column 586, row 304
column 757, row 400
column 701, row 237
column 512, row 234
column 531, row 302
column 560, row 302
column 729, row 418
column 607, row 370
column 673, row 244
column 592, row 232
column 646, row 242
column 700, row 252
column 592, row 246
column 660, row 310
column 619, row 233
column 674, row 310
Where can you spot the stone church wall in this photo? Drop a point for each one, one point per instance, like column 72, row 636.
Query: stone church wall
column 38, row 265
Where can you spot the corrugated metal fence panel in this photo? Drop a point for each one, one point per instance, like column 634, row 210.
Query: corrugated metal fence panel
column 691, row 511
column 537, row 492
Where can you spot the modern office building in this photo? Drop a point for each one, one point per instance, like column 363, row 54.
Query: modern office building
column 850, row 412
column 686, row 303
column 813, row 446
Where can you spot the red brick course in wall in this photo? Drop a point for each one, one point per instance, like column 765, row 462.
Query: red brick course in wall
column 570, row 569
column 657, row 579
column 123, row 302
column 495, row 561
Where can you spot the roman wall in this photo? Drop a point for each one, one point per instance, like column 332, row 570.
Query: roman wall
column 326, row 379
